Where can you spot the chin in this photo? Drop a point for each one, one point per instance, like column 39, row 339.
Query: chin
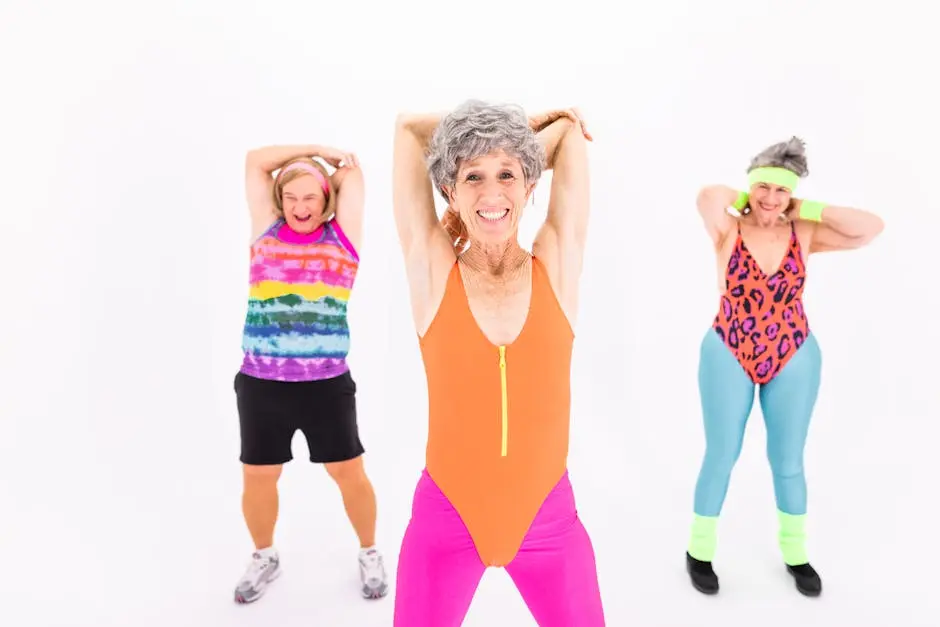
column 303, row 226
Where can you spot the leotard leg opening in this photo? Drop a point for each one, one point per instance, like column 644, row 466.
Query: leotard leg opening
column 555, row 569
column 439, row 568
column 727, row 396
column 787, row 403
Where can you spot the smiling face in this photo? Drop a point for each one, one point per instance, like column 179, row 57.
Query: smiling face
column 489, row 195
column 303, row 201
column 768, row 201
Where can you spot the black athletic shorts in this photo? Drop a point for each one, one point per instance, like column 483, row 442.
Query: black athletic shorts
column 271, row 412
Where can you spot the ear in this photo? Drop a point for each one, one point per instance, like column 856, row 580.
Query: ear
column 528, row 191
column 449, row 194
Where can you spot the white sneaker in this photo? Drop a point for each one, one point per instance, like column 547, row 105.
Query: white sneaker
column 264, row 568
column 372, row 574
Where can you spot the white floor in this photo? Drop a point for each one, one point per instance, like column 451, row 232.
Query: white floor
column 144, row 529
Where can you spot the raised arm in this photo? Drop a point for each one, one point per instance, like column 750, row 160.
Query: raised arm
column 838, row 228
column 713, row 202
column 560, row 241
column 424, row 243
column 260, row 163
column 349, row 185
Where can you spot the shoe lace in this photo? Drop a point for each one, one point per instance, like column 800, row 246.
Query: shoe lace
column 373, row 564
column 257, row 566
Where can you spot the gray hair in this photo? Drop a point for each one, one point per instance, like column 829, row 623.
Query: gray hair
column 790, row 155
column 477, row 128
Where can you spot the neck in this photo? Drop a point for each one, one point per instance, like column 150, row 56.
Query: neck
column 765, row 223
column 495, row 259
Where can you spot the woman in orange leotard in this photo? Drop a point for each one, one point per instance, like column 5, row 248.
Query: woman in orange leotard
column 760, row 338
column 495, row 329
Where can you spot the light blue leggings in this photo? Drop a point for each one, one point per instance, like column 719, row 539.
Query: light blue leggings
column 727, row 395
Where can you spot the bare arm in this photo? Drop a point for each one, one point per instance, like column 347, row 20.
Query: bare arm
column 259, row 185
column 426, row 248
column 349, row 185
column 561, row 239
column 844, row 228
column 713, row 202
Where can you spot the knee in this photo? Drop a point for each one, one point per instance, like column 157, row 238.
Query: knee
column 261, row 477
column 784, row 465
column 348, row 473
column 721, row 459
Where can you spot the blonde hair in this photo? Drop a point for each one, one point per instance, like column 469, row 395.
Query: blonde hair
column 329, row 208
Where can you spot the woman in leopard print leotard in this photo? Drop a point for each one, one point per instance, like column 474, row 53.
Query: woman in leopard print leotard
column 760, row 339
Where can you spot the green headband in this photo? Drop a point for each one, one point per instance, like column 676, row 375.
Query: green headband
column 774, row 176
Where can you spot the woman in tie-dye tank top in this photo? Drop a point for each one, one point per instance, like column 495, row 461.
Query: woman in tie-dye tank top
column 760, row 340
column 306, row 226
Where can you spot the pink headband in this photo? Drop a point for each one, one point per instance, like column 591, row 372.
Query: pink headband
column 309, row 169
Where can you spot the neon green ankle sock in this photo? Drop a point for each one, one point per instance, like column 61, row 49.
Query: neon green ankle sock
column 704, row 540
column 792, row 538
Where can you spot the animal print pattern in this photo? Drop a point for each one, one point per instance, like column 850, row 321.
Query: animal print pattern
column 761, row 317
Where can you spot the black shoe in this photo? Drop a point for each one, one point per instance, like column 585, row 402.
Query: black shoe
column 807, row 580
column 702, row 575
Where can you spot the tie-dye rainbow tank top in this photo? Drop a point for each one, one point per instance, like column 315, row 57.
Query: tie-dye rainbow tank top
column 296, row 326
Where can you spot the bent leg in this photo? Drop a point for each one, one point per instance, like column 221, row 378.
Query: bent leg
column 439, row 568
column 727, row 395
column 555, row 570
column 358, row 497
column 787, row 403
column 260, row 502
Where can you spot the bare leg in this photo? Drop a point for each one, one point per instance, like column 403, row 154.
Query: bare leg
column 260, row 502
column 358, row 497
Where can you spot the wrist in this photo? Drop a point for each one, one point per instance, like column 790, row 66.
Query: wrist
column 740, row 201
column 811, row 210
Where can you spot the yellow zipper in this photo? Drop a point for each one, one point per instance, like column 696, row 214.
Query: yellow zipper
column 505, row 394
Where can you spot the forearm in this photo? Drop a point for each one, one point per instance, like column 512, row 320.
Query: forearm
column 270, row 158
column 717, row 198
column 849, row 222
column 569, row 206
column 551, row 139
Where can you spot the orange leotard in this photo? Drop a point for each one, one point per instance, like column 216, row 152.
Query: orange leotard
column 498, row 415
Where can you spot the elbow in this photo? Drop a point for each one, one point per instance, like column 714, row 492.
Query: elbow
column 258, row 159
column 873, row 231
column 877, row 227
column 708, row 196
column 404, row 121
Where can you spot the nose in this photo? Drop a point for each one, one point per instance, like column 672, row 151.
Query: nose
column 492, row 192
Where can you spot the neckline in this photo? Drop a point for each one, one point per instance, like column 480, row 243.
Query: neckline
column 783, row 260
column 473, row 319
column 286, row 234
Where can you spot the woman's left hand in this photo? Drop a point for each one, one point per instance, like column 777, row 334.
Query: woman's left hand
column 540, row 121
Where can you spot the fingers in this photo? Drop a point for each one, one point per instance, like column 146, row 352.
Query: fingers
column 575, row 114
column 346, row 160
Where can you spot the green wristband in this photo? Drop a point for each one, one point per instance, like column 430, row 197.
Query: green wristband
column 811, row 210
column 741, row 201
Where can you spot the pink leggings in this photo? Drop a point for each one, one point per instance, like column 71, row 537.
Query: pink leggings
column 439, row 568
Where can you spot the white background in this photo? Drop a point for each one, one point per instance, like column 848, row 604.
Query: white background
column 124, row 129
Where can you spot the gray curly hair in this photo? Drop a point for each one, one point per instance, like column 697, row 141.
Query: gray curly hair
column 478, row 128
column 790, row 155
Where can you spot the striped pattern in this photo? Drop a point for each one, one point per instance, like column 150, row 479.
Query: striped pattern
column 296, row 328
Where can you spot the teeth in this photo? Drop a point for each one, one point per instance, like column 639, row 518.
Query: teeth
column 492, row 215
